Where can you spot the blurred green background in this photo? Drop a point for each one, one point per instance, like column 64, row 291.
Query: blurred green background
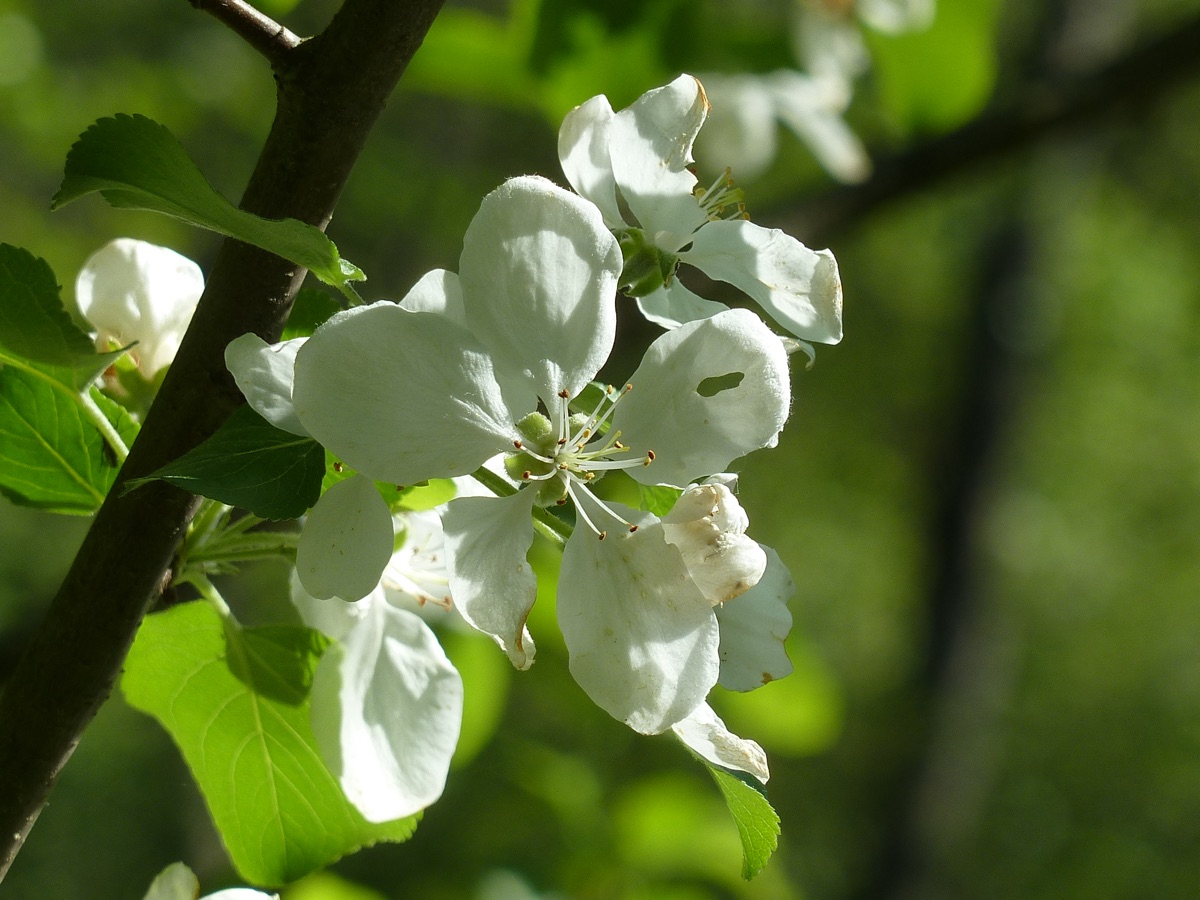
column 988, row 495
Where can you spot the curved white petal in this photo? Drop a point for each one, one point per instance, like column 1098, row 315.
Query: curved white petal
column 673, row 305
column 650, row 148
column 346, row 542
column 896, row 16
column 332, row 617
column 402, row 396
column 705, row 733
column 583, row 141
column 240, row 894
column 492, row 584
column 691, row 434
column 707, row 525
column 799, row 288
column 437, row 291
column 134, row 291
column 753, row 630
column 264, row 373
column 539, row 275
column 386, row 711
column 642, row 638
column 175, row 882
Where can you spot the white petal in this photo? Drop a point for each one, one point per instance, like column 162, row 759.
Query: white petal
column 437, row 291
column 705, row 733
column 799, row 288
column 175, row 882
column 707, row 525
column 642, row 638
column 333, row 618
column 693, row 435
column 492, row 584
column 386, row 711
column 264, row 373
column 402, row 396
column 240, row 894
column 346, row 542
column 134, row 291
column 896, row 16
column 539, row 272
column 753, row 630
column 583, row 141
column 673, row 305
column 651, row 148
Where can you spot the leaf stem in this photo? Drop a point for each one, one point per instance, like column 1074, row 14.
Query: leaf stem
column 107, row 429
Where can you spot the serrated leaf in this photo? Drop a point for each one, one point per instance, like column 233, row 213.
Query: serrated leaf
column 251, row 464
column 274, row 664
column 278, row 808
column 136, row 163
column 52, row 456
column 757, row 823
column 35, row 329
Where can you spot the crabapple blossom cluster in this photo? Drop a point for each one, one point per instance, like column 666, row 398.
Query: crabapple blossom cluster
column 492, row 371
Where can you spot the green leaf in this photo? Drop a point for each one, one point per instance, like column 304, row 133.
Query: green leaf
column 274, row 663
column 757, row 822
column 411, row 497
column 52, row 456
column 35, row 328
column 310, row 310
column 278, row 808
column 251, row 464
column 135, row 163
column 658, row 499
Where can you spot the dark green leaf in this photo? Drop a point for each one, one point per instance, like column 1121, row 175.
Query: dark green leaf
column 52, row 456
column 135, row 163
column 312, row 307
column 757, row 822
column 35, row 329
column 251, row 464
column 279, row 810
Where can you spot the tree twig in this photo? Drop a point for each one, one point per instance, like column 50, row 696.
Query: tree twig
column 260, row 31
column 1138, row 77
column 331, row 90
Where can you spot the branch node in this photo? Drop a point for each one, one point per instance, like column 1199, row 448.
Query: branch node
column 260, row 31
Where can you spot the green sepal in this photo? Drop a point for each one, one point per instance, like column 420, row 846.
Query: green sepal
column 646, row 267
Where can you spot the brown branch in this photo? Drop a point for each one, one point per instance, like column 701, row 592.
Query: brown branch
column 1132, row 81
column 260, row 31
column 331, row 90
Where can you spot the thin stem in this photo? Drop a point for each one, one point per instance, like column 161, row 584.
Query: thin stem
column 107, row 429
column 261, row 32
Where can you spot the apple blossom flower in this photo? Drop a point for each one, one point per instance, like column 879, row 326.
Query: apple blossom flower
column 488, row 362
column 634, row 165
column 130, row 291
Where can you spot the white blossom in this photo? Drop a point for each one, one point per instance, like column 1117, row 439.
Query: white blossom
column 134, row 291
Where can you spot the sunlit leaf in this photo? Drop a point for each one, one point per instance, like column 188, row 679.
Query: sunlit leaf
column 251, row 464
column 52, row 456
column 757, row 822
column 136, row 163
column 279, row 810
